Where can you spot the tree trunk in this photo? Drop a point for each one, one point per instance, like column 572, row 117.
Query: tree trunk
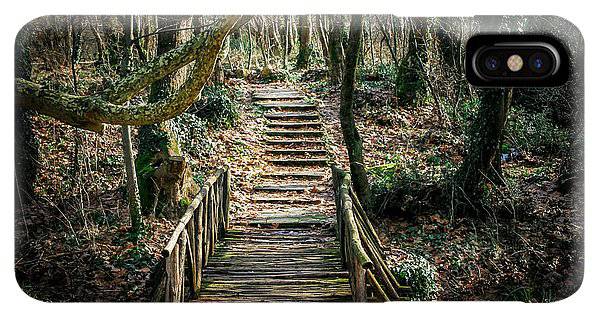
column 335, row 49
column 410, row 83
column 286, row 42
column 218, row 74
column 101, row 58
column 275, row 37
column 75, row 48
column 371, row 43
column 486, row 135
column 346, row 115
column 164, row 177
column 387, row 39
column 304, row 48
column 133, row 193
column 250, row 58
column 322, row 38
column 26, row 147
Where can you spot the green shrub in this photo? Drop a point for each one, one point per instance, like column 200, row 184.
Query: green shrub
column 191, row 131
column 217, row 106
column 463, row 113
column 405, row 186
column 382, row 74
column 420, row 275
column 403, row 80
column 535, row 133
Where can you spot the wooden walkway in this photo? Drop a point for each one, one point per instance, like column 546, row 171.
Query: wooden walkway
column 288, row 250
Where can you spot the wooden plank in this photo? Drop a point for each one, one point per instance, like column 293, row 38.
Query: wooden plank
column 199, row 241
column 294, row 125
column 297, row 175
column 297, row 152
column 294, row 142
column 304, row 116
column 211, row 223
column 284, row 222
column 280, row 95
column 288, row 106
column 283, row 133
column 280, row 274
column 206, row 223
column 285, row 200
column 174, row 275
column 227, row 189
column 283, row 188
column 300, row 162
column 191, row 240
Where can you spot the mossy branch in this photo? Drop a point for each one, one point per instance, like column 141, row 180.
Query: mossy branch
column 107, row 107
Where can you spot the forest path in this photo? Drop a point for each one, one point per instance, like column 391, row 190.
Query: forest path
column 283, row 248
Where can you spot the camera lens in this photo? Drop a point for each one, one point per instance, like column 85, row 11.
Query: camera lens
column 539, row 62
column 492, row 63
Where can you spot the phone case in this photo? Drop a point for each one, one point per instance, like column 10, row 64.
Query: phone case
column 291, row 158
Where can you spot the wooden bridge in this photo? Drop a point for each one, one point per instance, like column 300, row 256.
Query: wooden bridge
column 296, row 247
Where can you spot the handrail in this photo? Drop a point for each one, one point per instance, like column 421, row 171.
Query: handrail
column 194, row 240
column 361, row 249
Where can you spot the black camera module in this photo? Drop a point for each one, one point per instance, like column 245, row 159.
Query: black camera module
column 515, row 61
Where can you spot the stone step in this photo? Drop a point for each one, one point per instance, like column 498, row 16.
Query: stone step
column 300, row 162
column 294, row 125
column 304, row 116
column 294, row 133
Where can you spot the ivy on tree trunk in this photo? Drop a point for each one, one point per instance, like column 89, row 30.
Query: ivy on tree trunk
column 484, row 140
column 304, row 48
column 335, row 50
column 346, row 115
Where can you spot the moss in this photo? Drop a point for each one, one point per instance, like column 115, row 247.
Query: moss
column 145, row 171
column 184, row 202
column 153, row 141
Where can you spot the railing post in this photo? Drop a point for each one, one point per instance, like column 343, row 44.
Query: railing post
column 226, row 197
column 191, row 234
column 199, row 245
column 359, row 281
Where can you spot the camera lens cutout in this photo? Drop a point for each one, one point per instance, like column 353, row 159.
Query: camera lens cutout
column 492, row 63
column 539, row 62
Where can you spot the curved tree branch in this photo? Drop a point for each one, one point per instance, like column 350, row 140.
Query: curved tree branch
column 107, row 107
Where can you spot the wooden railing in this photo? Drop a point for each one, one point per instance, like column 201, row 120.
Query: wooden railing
column 193, row 241
column 361, row 249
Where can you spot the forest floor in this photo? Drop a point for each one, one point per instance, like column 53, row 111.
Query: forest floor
column 532, row 250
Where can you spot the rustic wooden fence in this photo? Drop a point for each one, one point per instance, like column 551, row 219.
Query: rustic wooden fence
column 193, row 241
column 361, row 250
